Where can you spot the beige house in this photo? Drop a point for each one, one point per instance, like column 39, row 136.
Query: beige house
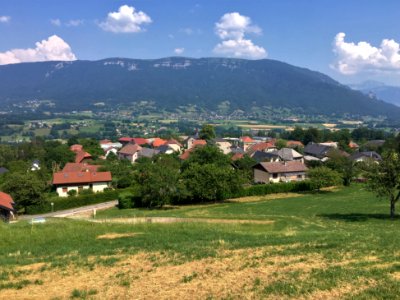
column 273, row 172
column 129, row 152
column 223, row 145
column 79, row 181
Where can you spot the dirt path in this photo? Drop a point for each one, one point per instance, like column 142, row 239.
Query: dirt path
column 141, row 220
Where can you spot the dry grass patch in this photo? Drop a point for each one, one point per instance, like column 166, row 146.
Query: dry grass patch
column 232, row 274
column 264, row 198
column 112, row 236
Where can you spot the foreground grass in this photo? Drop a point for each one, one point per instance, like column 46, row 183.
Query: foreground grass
column 331, row 245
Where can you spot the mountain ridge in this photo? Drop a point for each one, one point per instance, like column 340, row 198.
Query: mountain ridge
column 174, row 81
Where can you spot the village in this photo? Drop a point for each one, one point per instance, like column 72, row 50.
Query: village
column 264, row 160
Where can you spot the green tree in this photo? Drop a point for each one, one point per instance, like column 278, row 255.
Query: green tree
column 245, row 166
column 208, row 154
column 207, row 132
column 157, row 181
column 211, row 182
column 323, row 177
column 280, row 144
column 343, row 165
column 384, row 179
column 25, row 188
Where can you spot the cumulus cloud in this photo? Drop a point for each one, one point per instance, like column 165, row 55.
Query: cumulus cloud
column 5, row 19
column 231, row 29
column 179, row 50
column 52, row 49
column 354, row 58
column 125, row 20
column 55, row 22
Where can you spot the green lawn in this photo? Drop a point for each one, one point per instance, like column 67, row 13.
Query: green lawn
column 330, row 245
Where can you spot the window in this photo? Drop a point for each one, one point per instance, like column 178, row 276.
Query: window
column 299, row 176
column 275, row 175
column 65, row 190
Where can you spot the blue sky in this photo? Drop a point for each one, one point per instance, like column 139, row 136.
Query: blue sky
column 301, row 32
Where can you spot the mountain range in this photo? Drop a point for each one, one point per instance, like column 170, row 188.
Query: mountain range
column 176, row 81
column 379, row 90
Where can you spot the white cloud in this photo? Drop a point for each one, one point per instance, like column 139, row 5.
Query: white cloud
column 126, row 20
column 187, row 30
column 52, row 49
column 354, row 58
column 179, row 51
column 55, row 22
column 231, row 29
column 74, row 23
column 5, row 19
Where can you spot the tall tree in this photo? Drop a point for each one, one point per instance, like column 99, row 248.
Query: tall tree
column 207, row 132
column 384, row 179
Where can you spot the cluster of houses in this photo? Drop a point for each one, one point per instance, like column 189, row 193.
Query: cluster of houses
column 273, row 164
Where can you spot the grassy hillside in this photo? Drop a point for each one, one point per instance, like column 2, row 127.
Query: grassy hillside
column 338, row 244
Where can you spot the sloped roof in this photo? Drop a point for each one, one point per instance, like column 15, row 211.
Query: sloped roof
column 262, row 156
column 130, row 149
column 199, row 143
column 80, row 167
column 80, row 177
column 367, row 154
column 260, row 146
column 246, row 139
column 288, row 154
column 317, row 149
column 173, row 141
column 81, row 155
column 294, row 144
column 147, row 152
column 283, row 167
column 6, row 201
column 157, row 142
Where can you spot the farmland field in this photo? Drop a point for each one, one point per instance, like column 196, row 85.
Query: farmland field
column 337, row 244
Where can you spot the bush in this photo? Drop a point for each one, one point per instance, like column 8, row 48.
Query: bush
column 265, row 189
column 72, row 193
column 125, row 200
column 72, row 202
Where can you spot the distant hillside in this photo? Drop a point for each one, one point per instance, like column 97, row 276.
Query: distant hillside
column 390, row 94
column 172, row 82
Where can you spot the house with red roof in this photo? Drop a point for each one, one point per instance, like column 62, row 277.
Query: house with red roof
column 82, row 156
column 157, row 142
column 246, row 142
column 79, row 181
column 129, row 140
column 294, row 144
column 80, row 167
column 6, row 207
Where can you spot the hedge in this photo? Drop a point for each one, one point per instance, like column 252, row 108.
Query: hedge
column 274, row 188
column 72, row 202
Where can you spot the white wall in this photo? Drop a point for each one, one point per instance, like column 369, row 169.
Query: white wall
column 97, row 187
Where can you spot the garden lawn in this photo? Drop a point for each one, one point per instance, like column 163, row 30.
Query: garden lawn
column 334, row 245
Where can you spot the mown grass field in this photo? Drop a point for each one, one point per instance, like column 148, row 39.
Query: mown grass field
column 334, row 245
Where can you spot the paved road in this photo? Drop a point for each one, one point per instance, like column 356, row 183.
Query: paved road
column 72, row 211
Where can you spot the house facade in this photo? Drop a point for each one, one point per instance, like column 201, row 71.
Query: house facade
column 79, row 181
column 6, row 207
column 129, row 152
column 274, row 172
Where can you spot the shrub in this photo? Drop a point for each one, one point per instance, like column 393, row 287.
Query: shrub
column 125, row 200
column 72, row 193
column 71, row 202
